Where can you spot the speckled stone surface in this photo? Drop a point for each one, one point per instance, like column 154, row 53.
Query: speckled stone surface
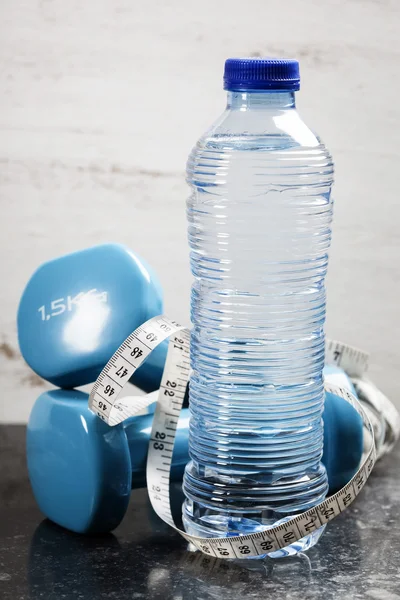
column 358, row 557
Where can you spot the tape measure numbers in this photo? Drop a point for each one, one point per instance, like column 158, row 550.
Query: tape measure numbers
column 104, row 402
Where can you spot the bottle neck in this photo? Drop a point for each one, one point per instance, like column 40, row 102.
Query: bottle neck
column 282, row 100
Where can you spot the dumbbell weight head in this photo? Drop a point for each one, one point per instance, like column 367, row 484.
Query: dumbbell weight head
column 82, row 470
column 77, row 309
column 343, row 432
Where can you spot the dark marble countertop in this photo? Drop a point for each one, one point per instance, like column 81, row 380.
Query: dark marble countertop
column 358, row 556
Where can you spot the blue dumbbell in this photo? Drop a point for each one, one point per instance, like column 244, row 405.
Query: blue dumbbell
column 76, row 310
column 82, row 470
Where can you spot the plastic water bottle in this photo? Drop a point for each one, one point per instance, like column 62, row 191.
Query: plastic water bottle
column 259, row 215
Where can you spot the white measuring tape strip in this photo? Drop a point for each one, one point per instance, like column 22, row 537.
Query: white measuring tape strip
column 352, row 360
column 103, row 401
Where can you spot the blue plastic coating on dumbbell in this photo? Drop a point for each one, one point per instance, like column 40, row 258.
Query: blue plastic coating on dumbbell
column 343, row 433
column 81, row 469
column 76, row 310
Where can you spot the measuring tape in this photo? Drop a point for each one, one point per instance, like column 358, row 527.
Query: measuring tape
column 103, row 401
column 352, row 360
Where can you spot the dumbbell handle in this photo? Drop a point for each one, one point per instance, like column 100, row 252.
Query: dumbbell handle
column 138, row 430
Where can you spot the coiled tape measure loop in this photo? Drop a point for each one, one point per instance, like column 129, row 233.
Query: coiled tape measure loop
column 104, row 402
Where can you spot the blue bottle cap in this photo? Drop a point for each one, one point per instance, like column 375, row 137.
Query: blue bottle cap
column 243, row 74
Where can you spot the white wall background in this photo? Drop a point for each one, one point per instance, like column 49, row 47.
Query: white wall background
column 101, row 101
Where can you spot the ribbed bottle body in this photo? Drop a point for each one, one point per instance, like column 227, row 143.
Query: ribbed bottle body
column 259, row 218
